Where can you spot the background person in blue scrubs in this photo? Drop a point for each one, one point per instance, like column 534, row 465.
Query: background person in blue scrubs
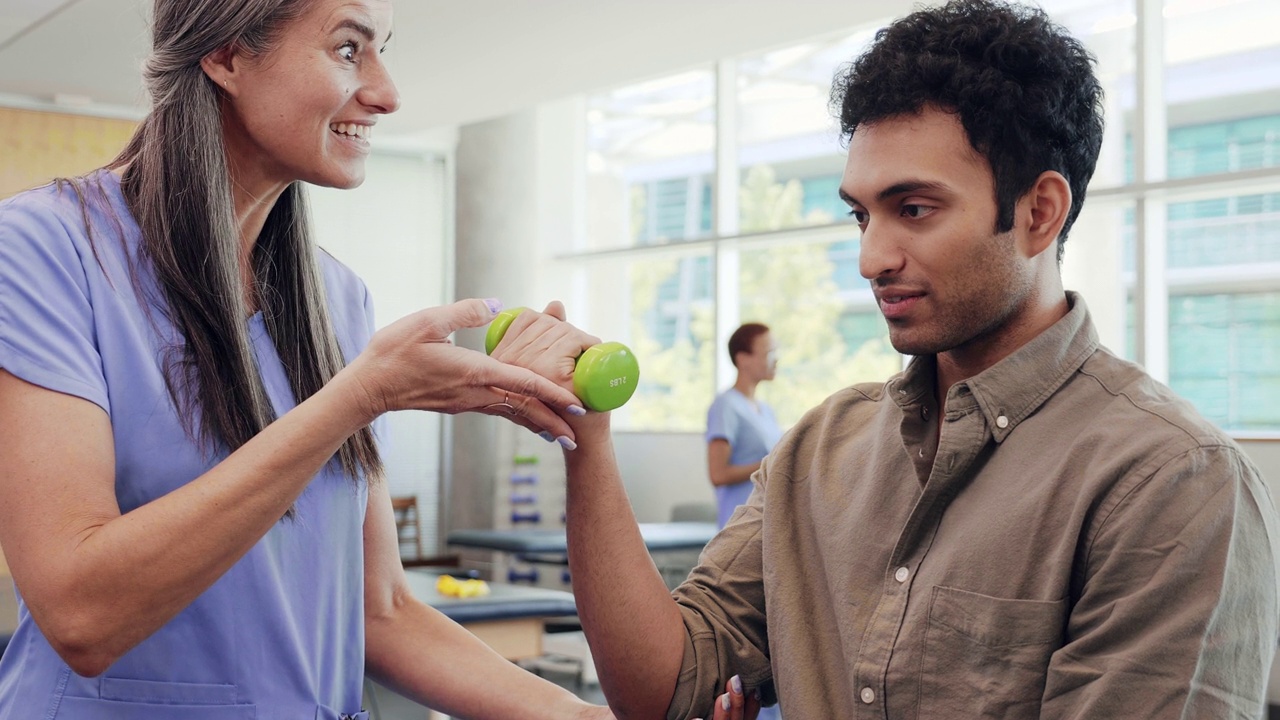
column 741, row 429
column 191, row 496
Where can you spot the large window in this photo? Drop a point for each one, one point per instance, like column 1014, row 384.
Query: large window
column 829, row 332
column 650, row 162
column 733, row 171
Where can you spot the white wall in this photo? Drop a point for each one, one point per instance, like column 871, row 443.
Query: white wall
column 662, row 470
column 392, row 232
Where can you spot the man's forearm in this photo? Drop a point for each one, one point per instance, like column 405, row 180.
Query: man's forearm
column 633, row 625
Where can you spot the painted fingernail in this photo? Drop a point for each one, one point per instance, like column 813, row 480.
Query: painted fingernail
column 547, row 436
column 736, row 683
column 577, row 410
column 724, row 701
column 494, row 305
column 566, row 443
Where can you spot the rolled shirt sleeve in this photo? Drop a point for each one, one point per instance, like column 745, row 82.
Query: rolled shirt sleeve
column 723, row 607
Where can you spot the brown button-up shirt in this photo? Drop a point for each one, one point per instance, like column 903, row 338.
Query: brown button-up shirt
column 1077, row 543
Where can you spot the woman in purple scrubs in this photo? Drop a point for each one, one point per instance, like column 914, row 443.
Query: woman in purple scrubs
column 191, row 498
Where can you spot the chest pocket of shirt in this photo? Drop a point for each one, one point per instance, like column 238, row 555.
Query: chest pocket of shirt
column 987, row 657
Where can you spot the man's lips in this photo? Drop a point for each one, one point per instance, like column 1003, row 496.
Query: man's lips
column 896, row 303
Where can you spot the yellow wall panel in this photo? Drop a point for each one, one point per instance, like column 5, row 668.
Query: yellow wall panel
column 36, row 147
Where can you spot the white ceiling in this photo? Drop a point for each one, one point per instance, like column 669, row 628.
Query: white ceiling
column 455, row 61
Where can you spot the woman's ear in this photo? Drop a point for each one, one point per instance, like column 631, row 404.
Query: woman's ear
column 220, row 67
column 1047, row 204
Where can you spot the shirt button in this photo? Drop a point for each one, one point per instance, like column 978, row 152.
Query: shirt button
column 902, row 574
column 868, row 695
column 924, row 413
column 1002, row 422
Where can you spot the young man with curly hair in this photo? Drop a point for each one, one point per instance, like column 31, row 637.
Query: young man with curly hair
column 1019, row 525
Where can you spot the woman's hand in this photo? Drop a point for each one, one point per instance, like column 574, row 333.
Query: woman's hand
column 734, row 705
column 412, row 364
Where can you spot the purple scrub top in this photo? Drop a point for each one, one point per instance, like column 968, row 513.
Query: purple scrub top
column 281, row 635
column 752, row 431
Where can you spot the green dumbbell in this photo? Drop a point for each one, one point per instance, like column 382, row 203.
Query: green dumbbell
column 604, row 377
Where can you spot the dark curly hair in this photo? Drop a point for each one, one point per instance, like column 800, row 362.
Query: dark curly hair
column 1022, row 87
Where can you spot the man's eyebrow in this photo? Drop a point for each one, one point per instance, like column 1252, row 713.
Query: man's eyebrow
column 362, row 28
column 899, row 188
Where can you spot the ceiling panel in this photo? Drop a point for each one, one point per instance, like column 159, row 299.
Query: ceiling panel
column 454, row 61
column 91, row 49
column 18, row 15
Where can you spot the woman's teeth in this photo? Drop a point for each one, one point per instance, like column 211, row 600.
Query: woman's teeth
column 352, row 129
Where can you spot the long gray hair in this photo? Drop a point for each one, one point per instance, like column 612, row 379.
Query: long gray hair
column 177, row 184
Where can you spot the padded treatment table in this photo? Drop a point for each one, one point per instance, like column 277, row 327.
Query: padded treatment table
column 674, row 545
column 509, row 619
column 658, row 537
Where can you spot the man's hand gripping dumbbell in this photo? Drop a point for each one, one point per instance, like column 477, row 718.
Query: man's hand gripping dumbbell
column 603, row 374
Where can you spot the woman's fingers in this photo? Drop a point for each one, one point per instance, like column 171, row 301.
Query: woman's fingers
column 523, row 381
column 440, row 322
column 517, row 409
column 733, row 705
column 533, row 415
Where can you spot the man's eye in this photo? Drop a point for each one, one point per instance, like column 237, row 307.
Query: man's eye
column 859, row 216
column 348, row 51
column 916, row 211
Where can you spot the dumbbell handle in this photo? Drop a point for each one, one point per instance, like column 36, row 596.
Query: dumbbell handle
column 604, row 377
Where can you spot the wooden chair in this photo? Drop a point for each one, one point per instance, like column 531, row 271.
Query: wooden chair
column 409, row 532
column 408, row 526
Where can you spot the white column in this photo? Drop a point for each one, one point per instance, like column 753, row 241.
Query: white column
column 725, row 255
column 1150, row 159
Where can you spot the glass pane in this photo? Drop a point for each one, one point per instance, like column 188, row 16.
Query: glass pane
column 1224, row 356
column 1107, row 28
column 822, row 314
column 1099, row 263
column 650, row 162
column 1222, row 85
column 789, row 149
column 1240, row 230
column 670, row 325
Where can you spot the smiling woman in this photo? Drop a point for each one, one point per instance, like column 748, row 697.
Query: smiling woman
column 191, row 494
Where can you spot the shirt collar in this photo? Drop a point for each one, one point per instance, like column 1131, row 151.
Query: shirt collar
column 1012, row 389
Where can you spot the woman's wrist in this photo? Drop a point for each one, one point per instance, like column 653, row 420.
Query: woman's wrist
column 354, row 393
